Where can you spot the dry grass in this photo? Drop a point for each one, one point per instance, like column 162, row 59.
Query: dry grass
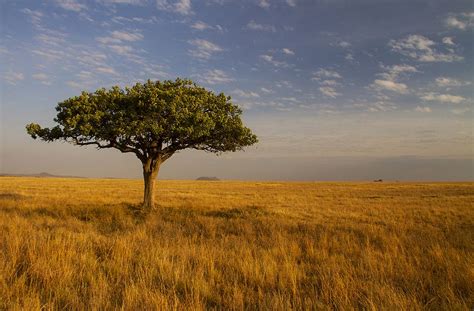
column 80, row 244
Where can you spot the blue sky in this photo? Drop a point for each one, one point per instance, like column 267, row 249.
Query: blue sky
column 350, row 81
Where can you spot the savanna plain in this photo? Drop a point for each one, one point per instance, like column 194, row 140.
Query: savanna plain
column 83, row 244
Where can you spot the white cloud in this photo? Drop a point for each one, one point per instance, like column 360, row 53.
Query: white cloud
column 13, row 77
column 120, row 36
column 443, row 98
column 288, row 51
column 200, row 26
column 460, row 21
column 121, row 49
column 329, row 83
column 393, row 72
column 329, row 91
column 349, row 57
column 448, row 41
column 422, row 109
column 41, row 77
column 84, row 75
column 450, row 82
column 388, row 81
column 127, row 36
column 325, row 73
column 263, row 3
column 182, row 7
column 71, row 5
column 422, row 49
column 391, row 86
column 291, row 3
column 244, row 94
column 271, row 60
column 215, row 76
column 260, row 27
column 203, row 49
column 265, row 90
column 344, row 44
column 106, row 70
column 453, row 22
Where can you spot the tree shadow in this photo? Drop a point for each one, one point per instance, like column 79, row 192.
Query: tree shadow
column 250, row 211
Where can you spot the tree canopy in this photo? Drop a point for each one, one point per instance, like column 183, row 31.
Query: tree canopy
column 153, row 120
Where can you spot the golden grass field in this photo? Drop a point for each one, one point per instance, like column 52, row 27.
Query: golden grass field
column 80, row 244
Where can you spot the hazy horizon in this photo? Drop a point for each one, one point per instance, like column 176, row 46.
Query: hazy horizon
column 335, row 90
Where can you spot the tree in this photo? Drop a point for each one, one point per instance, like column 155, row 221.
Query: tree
column 153, row 120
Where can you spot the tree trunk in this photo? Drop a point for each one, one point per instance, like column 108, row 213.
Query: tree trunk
column 150, row 171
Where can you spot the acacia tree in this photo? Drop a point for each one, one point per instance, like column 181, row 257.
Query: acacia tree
column 153, row 120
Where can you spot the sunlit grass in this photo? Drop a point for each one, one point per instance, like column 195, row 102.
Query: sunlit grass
column 81, row 244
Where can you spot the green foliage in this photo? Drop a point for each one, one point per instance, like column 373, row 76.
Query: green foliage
column 154, row 119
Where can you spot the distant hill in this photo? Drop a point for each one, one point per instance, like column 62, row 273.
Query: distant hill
column 41, row 175
column 208, row 178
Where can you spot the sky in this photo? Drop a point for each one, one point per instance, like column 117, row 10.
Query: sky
column 334, row 89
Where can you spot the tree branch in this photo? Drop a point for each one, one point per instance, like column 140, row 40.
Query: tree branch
column 112, row 144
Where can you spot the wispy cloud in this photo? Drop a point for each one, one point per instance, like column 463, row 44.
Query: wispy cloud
column 201, row 26
column 329, row 91
column 130, row 2
column 327, row 81
column 291, row 3
column 253, row 25
column 127, row 36
column 120, row 36
column 245, row 94
column 271, row 60
column 203, row 49
column 106, row 70
column 214, row 76
column 422, row 49
column 182, row 7
column 71, row 5
column 42, row 77
column 422, row 109
column 288, row 51
column 394, row 72
column 141, row 20
column 377, row 106
column 325, row 73
column 391, row 86
column 450, row 82
column 13, row 77
column 34, row 16
column 461, row 111
column 443, row 98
